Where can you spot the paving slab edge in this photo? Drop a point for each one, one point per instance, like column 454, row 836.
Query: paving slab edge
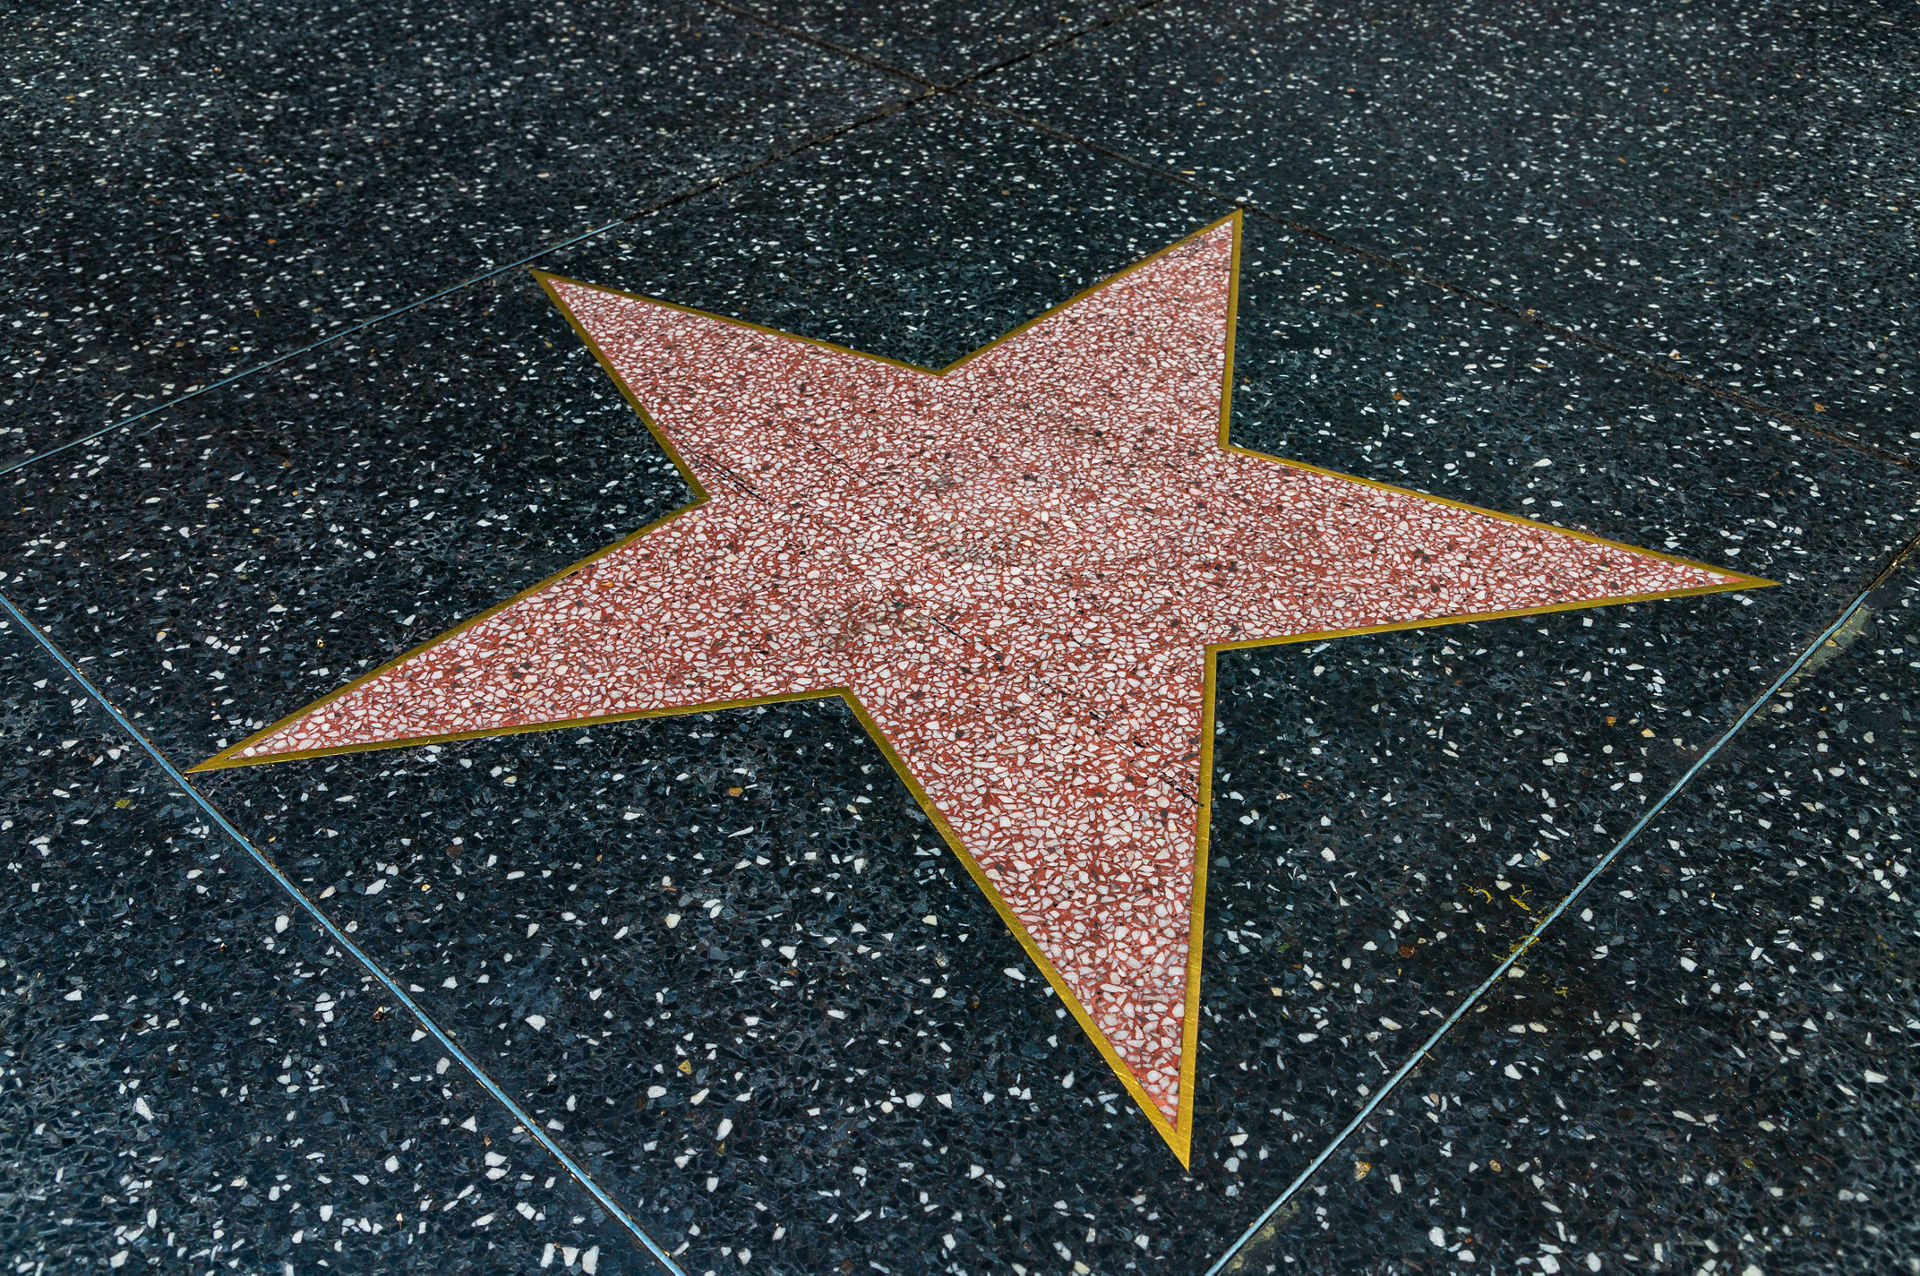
column 1227, row 1263
column 459, row 1054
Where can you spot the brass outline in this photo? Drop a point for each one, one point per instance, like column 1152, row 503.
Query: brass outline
column 1179, row 1132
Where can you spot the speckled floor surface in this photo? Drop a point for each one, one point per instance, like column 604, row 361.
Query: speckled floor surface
column 1562, row 942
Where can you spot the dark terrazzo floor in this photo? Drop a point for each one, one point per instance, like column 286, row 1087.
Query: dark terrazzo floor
column 199, row 189
column 1710, row 1063
column 192, row 1075
column 722, row 959
column 1725, row 187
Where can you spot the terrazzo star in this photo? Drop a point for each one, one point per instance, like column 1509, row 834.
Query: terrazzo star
column 1016, row 570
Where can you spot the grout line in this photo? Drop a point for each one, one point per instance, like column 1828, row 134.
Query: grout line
column 1647, row 363
column 339, row 937
column 929, row 89
column 1400, row 1074
column 660, row 205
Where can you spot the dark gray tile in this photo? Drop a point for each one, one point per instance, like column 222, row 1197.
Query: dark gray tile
column 1728, row 188
column 731, row 959
column 389, row 487
column 1708, row 1065
column 200, row 189
column 192, row 1076
column 941, row 43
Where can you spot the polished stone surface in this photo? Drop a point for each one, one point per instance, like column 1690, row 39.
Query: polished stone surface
column 192, row 1076
column 724, row 959
column 198, row 191
column 1727, row 188
column 1708, row 1064
column 1380, row 802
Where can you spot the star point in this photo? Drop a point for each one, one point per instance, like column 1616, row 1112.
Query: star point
column 1017, row 570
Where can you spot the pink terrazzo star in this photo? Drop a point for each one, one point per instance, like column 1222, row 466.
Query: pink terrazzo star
column 1017, row 570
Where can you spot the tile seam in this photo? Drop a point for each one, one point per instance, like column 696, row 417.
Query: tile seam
column 929, row 90
column 339, row 937
column 1225, row 1263
column 672, row 200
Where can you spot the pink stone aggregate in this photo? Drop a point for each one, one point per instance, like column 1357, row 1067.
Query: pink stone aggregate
column 1015, row 567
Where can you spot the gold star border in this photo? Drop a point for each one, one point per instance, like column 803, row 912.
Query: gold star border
column 1178, row 1132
